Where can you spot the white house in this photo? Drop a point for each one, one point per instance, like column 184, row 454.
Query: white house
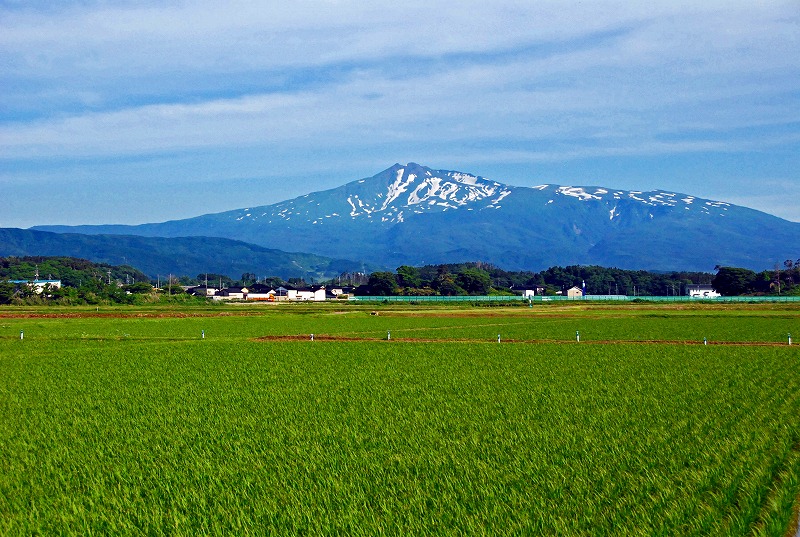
column 316, row 294
column 232, row 293
column 702, row 290
column 527, row 291
column 337, row 292
column 201, row 290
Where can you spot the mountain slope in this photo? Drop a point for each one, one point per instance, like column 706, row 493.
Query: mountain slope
column 185, row 256
column 415, row 215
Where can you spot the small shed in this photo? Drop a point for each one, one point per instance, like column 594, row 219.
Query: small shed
column 574, row 292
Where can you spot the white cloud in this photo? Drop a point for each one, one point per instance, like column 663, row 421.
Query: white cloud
column 571, row 80
column 519, row 99
column 223, row 37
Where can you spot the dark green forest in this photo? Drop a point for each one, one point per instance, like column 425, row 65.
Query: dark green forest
column 485, row 279
column 782, row 280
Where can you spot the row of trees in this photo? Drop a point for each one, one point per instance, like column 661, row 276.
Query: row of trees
column 82, row 282
column 409, row 281
column 484, row 279
column 72, row 272
column 90, row 292
column 782, row 280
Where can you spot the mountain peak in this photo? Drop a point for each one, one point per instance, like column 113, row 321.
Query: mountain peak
column 400, row 191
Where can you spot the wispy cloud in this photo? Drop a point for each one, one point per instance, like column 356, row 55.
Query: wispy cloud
column 524, row 82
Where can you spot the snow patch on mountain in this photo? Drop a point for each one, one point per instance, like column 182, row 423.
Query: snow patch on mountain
column 402, row 191
column 576, row 192
column 416, row 190
column 398, row 187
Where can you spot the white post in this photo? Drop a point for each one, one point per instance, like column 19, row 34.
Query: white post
column 705, row 341
column 498, row 338
column 21, row 334
column 202, row 334
column 312, row 337
column 388, row 335
column 790, row 338
column 577, row 336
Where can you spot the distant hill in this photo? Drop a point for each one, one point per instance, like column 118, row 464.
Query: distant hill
column 415, row 215
column 69, row 270
column 184, row 256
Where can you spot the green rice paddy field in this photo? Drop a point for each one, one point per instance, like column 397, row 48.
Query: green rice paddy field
column 130, row 421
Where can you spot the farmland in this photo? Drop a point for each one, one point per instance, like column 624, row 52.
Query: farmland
column 231, row 420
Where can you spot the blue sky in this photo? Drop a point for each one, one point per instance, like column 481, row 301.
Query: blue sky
column 123, row 112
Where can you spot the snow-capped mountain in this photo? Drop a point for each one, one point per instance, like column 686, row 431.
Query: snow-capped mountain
column 417, row 190
column 415, row 215
column 389, row 198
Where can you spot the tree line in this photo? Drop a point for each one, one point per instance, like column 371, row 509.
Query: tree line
column 783, row 279
column 85, row 282
column 487, row 279
column 82, row 282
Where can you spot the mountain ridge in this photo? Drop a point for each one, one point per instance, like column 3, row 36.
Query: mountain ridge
column 180, row 255
column 411, row 214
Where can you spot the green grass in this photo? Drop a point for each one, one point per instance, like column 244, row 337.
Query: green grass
column 136, row 425
column 731, row 324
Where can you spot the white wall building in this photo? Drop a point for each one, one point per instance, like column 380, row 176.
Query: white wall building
column 702, row 290
column 311, row 294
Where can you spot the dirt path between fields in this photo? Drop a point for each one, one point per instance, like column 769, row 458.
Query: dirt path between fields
column 326, row 337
